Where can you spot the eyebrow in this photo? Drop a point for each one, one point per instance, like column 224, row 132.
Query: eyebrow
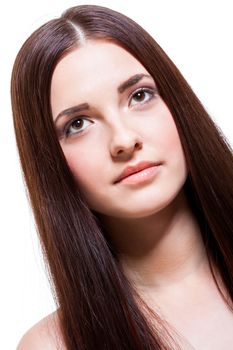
column 85, row 106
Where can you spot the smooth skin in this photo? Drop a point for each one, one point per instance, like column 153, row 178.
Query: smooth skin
column 167, row 261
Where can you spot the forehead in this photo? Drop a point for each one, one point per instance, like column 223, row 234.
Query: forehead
column 93, row 66
column 96, row 57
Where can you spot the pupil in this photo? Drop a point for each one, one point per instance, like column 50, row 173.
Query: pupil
column 77, row 123
column 139, row 95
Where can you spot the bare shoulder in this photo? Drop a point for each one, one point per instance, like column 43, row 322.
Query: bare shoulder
column 44, row 335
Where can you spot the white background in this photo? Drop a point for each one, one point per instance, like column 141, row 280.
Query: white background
column 197, row 35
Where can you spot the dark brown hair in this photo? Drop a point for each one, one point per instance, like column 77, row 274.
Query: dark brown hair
column 98, row 306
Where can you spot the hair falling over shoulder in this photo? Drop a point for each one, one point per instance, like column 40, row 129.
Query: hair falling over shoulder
column 98, row 307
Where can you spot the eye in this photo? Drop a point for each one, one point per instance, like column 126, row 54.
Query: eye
column 76, row 126
column 142, row 96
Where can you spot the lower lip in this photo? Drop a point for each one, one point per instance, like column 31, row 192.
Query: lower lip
column 142, row 176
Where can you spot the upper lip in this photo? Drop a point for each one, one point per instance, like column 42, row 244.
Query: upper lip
column 129, row 170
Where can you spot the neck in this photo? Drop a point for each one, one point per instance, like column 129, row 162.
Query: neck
column 161, row 250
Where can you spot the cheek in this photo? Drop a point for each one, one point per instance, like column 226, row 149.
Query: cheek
column 171, row 141
column 90, row 173
column 85, row 163
column 167, row 141
column 79, row 163
column 167, row 137
column 175, row 154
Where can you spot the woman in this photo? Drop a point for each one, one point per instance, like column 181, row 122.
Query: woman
column 131, row 185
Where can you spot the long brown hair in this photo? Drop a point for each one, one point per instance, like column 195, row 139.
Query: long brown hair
column 98, row 306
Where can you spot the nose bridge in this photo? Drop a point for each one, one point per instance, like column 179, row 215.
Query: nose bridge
column 123, row 136
column 121, row 128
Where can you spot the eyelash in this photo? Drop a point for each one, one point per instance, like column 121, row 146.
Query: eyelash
column 66, row 131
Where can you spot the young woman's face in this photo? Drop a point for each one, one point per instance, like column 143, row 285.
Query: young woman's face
column 109, row 116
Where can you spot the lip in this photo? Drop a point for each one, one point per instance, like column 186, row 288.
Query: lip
column 133, row 169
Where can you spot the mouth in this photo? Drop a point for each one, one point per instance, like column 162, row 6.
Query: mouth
column 138, row 173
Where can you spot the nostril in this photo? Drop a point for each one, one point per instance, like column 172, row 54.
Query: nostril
column 138, row 145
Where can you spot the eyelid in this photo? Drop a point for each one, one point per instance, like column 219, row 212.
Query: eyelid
column 150, row 89
column 63, row 130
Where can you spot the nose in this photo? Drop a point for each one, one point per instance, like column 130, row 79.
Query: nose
column 124, row 142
